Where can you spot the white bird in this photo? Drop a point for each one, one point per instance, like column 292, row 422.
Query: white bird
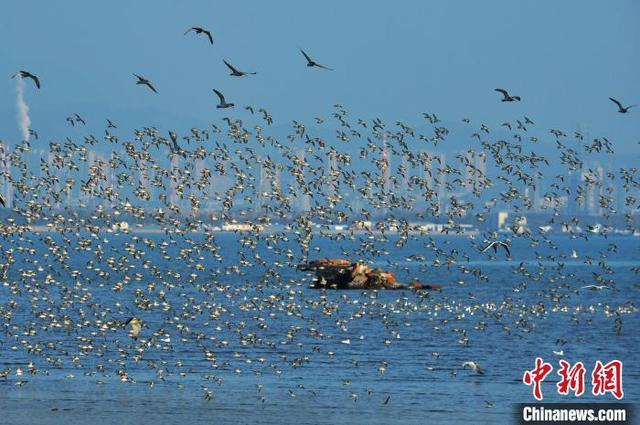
column 473, row 366
column 495, row 245
column 136, row 327
column 595, row 287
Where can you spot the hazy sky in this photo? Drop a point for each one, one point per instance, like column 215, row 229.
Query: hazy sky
column 394, row 59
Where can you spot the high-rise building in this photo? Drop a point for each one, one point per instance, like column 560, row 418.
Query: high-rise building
column 173, row 189
column 595, row 190
column 572, row 183
column 304, row 202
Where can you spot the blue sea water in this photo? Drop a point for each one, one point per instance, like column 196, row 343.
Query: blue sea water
column 405, row 348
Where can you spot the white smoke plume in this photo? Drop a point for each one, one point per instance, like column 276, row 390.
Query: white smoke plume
column 24, row 122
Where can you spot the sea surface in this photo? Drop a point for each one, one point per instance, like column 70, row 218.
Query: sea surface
column 283, row 353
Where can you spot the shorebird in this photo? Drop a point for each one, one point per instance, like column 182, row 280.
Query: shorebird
column 136, row 327
column 506, row 97
column 621, row 108
column 144, row 81
column 595, row 287
column 27, row 74
column 495, row 245
column 312, row 63
column 235, row 72
column 200, row 30
column 223, row 103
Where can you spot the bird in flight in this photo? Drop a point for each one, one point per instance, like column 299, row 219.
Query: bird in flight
column 136, row 327
column 621, row 108
column 200, row 30
column 75, row 118
column 2, row 201
column 144, row 81
column 175, row 148
column 595, row 287
column 27, row 74
column 79, row 119
column 495, row 245
column 473, row 366
column 223, row 103
column 312, row 63
column 506, row 97
column 235, row 72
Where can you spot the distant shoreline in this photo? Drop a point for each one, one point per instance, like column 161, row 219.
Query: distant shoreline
column 150, row 229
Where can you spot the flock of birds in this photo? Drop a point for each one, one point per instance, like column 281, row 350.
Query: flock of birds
column 85, row 293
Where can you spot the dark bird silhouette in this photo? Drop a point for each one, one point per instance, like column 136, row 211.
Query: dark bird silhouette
column 27, row 74
column 235, row 72
column 223, row 103
column 174, row 147
column 110, row 124
column 312, row 63
column 506, row 97
column 79, row 119
column 621, row 108
column 2, row 201
column 200, row 30
column 144, row 81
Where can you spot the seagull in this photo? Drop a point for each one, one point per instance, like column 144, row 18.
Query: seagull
column 235, row 72
column 200, row 30
column 136, row 327
column 507, row 97
column 27, row 74
column 312, row 63
column 474, row 366
column 223, row 103
column 144, row 81
column 621, row 108
column 495, row 245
